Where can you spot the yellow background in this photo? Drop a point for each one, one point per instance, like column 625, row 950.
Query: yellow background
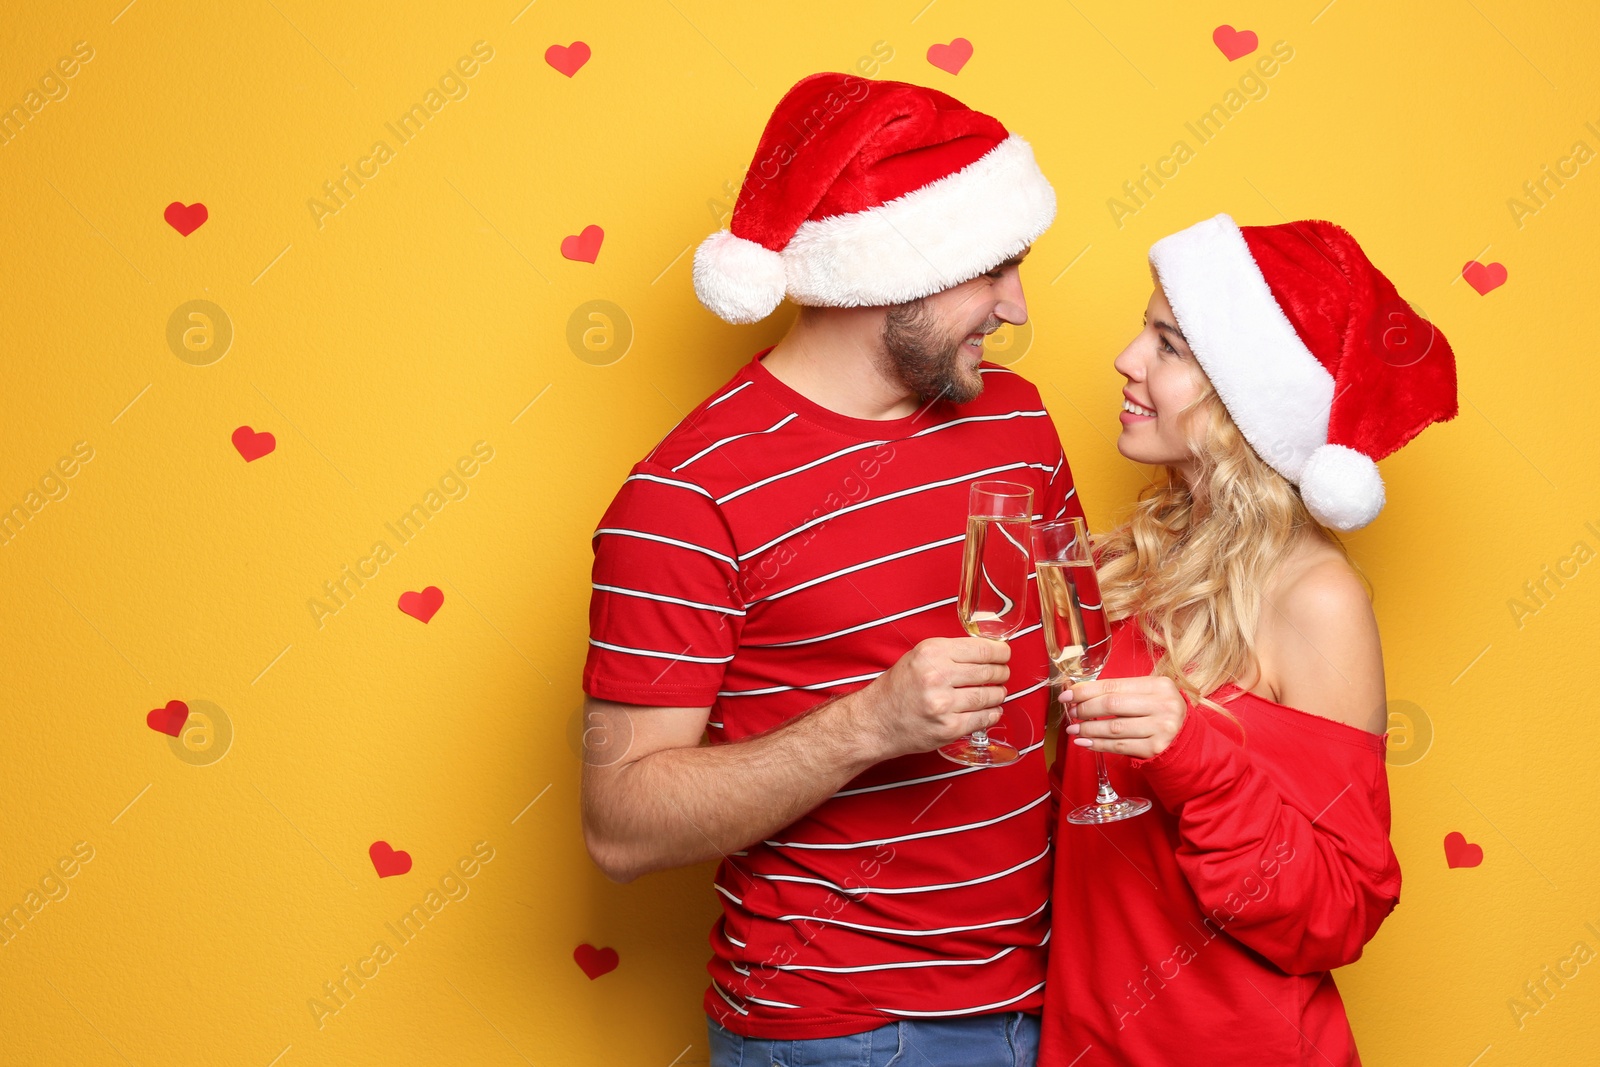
column 431, row 311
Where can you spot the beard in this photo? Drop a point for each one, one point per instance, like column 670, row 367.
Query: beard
column 927, row 357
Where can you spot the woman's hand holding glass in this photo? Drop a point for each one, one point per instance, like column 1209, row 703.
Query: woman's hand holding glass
column 1136, row 717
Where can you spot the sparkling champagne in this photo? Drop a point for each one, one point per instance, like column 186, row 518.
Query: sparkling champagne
column 994, row 577
column 1075, row 630
column 993, row 602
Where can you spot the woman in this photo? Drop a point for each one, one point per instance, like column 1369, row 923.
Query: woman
column 1245, row 685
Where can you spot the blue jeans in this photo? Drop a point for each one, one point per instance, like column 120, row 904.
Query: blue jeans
column 1008, row 1039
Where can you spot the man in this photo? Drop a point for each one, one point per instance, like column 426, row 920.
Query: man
column 779, row 576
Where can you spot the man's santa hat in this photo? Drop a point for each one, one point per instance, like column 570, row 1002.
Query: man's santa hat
column 1322, row 366
column 869, row 193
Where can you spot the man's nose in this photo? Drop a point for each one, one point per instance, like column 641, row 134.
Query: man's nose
column 1012, row 306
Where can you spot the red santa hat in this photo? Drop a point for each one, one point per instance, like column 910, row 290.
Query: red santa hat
column 868, row 193
column 1322, row 366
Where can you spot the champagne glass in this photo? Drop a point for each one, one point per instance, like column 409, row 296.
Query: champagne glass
column 1079, row 641
column 994, row 590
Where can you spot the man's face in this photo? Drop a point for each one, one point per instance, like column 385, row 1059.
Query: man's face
column 934, row 344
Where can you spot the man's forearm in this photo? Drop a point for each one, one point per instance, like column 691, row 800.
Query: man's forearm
column 686, row 805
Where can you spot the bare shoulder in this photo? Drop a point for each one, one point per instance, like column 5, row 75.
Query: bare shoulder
column 1319, row 642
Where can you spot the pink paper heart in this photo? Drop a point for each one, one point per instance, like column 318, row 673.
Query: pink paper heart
column 387, row 861
column 1235, row 44
column 950, row 57
column 1484, row 277
column 251, row 445
column 421, row 606
column 170, row 719
column 1459, row 852
column 568, row 59
column 595, row 961
column 583, row 247
column 185, row 218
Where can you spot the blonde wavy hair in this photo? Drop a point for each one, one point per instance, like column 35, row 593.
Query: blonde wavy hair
column 1193, row 565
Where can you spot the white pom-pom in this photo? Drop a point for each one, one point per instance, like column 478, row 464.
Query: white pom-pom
column 1341, row 487
column 737, row 279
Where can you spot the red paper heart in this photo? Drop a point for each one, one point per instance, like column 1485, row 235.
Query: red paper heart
column 185, row 218
column 251, row 445
column 583, row 247
column 1235, row 44
column 950, row 57
column 1484, row 278
column 422, row 605
column 170, row 719
column 1459, row 852
column 386, row 861
column 595, row 961
column 568, row 59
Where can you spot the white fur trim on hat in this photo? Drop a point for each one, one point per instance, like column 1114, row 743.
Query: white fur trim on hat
column 945, row 233
column 1341, row 487
column 1277, row 392
column 737, row 279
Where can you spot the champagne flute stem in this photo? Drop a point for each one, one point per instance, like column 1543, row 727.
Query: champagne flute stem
column 1103, row 793
column 980, row 738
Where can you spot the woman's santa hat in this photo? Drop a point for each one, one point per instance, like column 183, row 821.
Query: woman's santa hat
column 1322, row 366
column 869, row 193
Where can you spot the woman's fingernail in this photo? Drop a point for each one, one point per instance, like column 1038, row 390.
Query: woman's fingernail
column 1072, row 729
column 1066, row 694
column 1084, row 741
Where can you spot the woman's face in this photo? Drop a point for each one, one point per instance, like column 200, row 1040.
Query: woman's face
column 1163, row 378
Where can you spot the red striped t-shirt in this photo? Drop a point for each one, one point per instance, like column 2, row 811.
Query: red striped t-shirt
column 770, row 554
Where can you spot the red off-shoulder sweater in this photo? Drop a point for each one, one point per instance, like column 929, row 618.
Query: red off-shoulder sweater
column 1203, row 931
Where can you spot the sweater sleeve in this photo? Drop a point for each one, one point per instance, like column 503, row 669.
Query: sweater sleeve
column 1307, row 889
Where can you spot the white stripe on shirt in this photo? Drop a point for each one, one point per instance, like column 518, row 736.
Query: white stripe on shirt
column 729, row 393
column 724, row 996
column 912, row 837
column 667, row 481
column 752, row 433
column 620, row 532
column 1017, row 414
column 944, row 774
column 1045, row 940
column 872, row 444
column 768, row 1003
column 653, row 654
column 724, row 498
column 722, row 608
column 791, row 688
column 874, row 501
column 855, row 678
column 914, row 933
column 851, row 629
column 861, row 566
column 864, row 890
column 966, row 1011
column 895, row 966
